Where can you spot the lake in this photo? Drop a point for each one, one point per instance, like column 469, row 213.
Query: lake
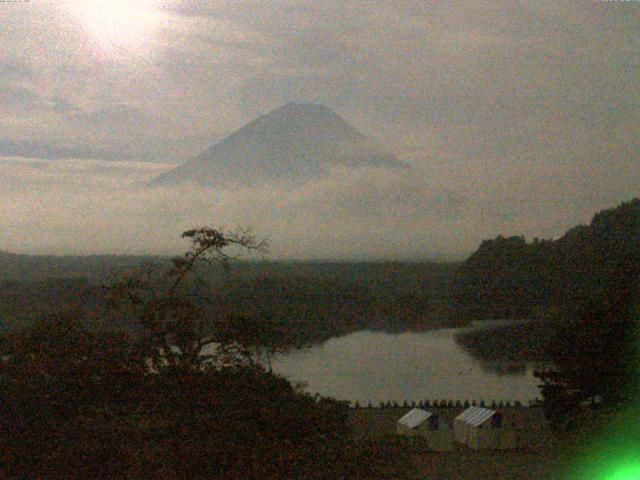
column 375, row 366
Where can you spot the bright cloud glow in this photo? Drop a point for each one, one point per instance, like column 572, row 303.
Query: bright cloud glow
column 119, row 27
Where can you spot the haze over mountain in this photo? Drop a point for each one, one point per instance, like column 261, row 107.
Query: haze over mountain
column 292, row 142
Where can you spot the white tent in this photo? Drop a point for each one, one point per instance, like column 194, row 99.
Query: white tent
column 479, row 428
column 414, row 418
column 427, row 428
column 467, row 422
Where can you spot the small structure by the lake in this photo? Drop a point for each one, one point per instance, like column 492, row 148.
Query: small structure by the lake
column 427, row 428
column 481, row 428
column 519, row 427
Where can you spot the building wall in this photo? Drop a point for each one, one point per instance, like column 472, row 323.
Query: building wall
column 439, row 440
column 492, row 438
column 485, row 437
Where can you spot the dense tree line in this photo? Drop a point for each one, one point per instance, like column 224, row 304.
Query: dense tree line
column 596, row 353
column 306, row 302
column 512, row 278
column 590, row 280
column 20, row 267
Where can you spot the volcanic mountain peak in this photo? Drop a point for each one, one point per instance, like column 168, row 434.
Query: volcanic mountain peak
column 294, row 141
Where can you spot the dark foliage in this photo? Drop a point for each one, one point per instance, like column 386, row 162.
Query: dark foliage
column 34, row 268
column 596, row 357
column 510, row 278
column 54, row 377
column 303, row 303
column 79, row 402
column 590, row 279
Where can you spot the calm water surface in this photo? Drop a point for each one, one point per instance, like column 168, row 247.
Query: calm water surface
column 375, row 366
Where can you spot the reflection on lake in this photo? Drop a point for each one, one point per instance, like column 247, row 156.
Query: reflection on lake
column 375, row 366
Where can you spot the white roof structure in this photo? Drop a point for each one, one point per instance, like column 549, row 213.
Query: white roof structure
column 475, row 416
column 414, row 418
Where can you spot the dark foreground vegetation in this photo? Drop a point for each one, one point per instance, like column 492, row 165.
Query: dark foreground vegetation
column 589, row 282
column 81, row 404
column 159, row 371
column 590, row 273
column 83, row 400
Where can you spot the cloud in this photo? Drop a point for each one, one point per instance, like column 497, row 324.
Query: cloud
column 411, row 76
column 522, row 117
column 13, row 69
column 91, row 206
column 18, row 98
column 51, row 150
column 85, row 206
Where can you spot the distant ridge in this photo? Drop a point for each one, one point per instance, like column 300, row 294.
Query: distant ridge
column 292, row 142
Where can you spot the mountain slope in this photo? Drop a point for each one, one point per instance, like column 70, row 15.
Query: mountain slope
column 290, row 143
column 510, row 278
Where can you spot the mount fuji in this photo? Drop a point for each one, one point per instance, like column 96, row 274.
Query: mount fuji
column 291, row 143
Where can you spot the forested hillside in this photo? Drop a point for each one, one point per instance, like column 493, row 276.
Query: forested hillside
column 513, row 278
column 40, row 267
column 307, row 301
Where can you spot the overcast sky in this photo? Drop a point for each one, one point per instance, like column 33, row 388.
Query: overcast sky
column 521, row 116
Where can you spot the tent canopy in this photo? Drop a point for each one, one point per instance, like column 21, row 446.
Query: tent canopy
column 414, row 418
column 475, row 416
